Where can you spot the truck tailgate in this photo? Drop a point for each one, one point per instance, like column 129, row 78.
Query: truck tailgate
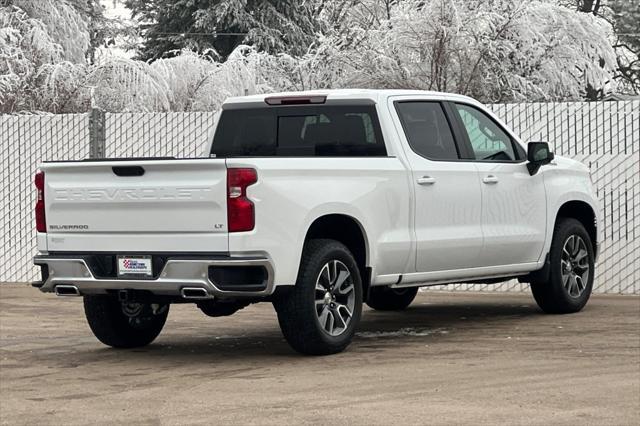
column 136, row 206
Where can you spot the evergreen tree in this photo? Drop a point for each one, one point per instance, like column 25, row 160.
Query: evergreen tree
column 273, row 26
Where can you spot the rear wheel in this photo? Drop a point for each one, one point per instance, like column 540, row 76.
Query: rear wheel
column 123, row 324
column 572, row 270
column 320, row 314
column 391, row 299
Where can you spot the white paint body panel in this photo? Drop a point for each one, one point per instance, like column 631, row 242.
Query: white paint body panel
column 458, row 228
column 292, row 193
column 514, row 214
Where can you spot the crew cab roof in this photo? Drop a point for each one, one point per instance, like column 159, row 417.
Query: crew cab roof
column 375, row 96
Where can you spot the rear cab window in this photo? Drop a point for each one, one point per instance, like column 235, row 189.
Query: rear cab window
column 299, row 131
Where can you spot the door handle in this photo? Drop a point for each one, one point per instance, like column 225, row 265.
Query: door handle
column 426, row 180
column 490, row 179
column 128, row 170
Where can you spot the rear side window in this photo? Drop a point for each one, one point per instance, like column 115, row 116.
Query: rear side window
column 299, row 131
column 427, row 129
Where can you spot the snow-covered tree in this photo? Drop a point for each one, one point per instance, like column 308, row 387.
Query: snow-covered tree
column 64, row 24
column 494, row 50
column 25, row 46
column 187, row 82
column 626, row 17
column 45, row 46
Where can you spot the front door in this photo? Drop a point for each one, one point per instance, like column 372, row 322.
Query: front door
column 513, row 202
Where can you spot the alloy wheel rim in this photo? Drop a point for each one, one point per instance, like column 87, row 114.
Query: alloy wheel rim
column 574, row 265
column 335, row 298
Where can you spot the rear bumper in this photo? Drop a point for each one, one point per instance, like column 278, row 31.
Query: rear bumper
column 175, row 275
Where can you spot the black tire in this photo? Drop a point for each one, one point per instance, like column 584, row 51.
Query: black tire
column 111, row 326
column 391, row 299
column 554, row 297
column 298, row 314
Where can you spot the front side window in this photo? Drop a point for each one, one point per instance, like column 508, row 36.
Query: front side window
column 488, row 141
column 427, row 129
column 303, row 131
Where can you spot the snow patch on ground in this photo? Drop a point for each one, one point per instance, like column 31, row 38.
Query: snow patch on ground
column 406, row 331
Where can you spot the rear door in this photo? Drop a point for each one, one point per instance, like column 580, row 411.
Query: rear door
column 447, row 222
column 513, row 202
column 136, row 206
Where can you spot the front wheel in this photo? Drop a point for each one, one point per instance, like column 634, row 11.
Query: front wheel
column 122, row 324
column 572, row 270
column 319, row 315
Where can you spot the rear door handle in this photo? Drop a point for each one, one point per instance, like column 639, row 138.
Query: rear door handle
column 426, row 180
column 490, row 179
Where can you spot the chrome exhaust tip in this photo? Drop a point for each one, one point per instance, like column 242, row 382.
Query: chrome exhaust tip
column 194, row 293
column 67, row 290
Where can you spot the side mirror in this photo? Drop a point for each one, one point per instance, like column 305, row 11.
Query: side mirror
column 538, row 154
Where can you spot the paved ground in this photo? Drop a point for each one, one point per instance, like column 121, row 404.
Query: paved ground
column 448, row 359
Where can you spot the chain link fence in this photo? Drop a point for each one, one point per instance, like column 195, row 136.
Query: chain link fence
column 603, row 135
column 171, row 134
column 25, row 141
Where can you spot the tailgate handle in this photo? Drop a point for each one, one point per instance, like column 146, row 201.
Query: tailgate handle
column 128, row 170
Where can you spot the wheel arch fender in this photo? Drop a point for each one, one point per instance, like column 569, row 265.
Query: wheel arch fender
column 583, row 208
column 343, row 223
column 577, row 206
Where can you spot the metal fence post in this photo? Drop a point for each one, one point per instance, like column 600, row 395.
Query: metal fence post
column 96, row 133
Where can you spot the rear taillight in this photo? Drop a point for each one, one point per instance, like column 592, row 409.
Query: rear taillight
column 240, row 211
column 41, row 222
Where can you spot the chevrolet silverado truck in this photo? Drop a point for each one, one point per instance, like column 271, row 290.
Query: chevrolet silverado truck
column 317, row 202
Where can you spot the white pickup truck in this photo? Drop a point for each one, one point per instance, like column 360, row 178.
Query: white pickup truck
column 317, row 202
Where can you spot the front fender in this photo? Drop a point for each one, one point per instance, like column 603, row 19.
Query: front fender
column 568, row 181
